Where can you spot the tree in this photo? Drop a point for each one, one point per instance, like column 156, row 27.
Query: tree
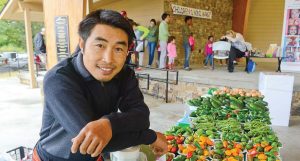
column 2, row 3
column 12, row 33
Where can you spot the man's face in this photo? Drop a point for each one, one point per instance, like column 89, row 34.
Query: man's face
column 167, row 19
column 105, row 52
column 293, row 30
column 190, row 22
column 152, row 24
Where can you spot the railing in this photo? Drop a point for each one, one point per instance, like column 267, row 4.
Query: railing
column 146, row 75
column 142, row 76
column 166, row 80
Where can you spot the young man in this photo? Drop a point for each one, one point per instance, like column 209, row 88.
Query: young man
column 84, row 93
column 163, row 36
column 186, row 32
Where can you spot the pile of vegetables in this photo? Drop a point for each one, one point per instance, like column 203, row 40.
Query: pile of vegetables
column 229, row 125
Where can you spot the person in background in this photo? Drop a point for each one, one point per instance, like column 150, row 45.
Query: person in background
column 238, row 47
column 172, row 54
column 186, row 32
column 141, row 33
column 163, row 36
column 124, row 14
column 158, row 55
column 209, row 52
column 40, row 47
column 294, row 17
column 192, row 42
column 222, row 62
column 152, row 40
column 131, row 48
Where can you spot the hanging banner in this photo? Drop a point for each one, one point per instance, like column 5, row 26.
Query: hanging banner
column 291, row 37
column 187, row 11
column 62, row 37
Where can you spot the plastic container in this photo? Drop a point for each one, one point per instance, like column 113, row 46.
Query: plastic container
column 129, row 154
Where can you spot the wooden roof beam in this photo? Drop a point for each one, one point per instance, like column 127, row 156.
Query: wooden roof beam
column 31, row 6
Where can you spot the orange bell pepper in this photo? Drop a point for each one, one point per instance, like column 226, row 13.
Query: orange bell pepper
column 205, row 152
column 262, row 156
column 225, row 144
column 209, row 142
column 228, row 152
column 268, row 148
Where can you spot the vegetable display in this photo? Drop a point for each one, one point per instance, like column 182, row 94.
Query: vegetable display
column 228, row 125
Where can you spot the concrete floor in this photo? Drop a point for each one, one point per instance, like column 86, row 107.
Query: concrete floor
column 21, row 111
column 221, row 77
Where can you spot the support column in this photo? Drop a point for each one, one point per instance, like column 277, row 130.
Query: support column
column 29, row 45
column 240, row 15
column 75, row 12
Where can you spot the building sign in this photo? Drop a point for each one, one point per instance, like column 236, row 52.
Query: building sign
column 291, row 37
column 181, row 10
column 62, row 37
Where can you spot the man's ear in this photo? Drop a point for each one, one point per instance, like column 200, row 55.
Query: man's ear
column 81, row 44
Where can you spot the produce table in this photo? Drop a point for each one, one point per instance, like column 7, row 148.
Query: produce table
column 279, row 60
column 227, row 125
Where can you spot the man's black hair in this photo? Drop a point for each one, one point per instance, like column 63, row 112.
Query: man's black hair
column 106, row 17
column 187, row 18
column 164, row 16
column 153, row 20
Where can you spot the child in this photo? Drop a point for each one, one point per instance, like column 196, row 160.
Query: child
column 293, row 30
column 158, row 55
column 294, row 17
column 171, row 48
column 192, row 41
column 208, row 51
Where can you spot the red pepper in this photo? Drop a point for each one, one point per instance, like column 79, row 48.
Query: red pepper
column 174, row 150
column 228, row 116
column 179, row 141
column 189, row 155
column 170, row 137
column 253, row 152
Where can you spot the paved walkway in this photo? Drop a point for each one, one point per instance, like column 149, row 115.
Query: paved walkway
column 21, row 113
column 221, row 77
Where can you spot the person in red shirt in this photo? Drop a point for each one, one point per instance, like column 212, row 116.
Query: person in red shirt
column 209, row 52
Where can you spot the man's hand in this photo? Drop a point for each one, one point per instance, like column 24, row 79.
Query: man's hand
column 160, row 146
column 93, row 137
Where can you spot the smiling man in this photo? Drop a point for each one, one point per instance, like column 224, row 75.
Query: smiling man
column 93, row 103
